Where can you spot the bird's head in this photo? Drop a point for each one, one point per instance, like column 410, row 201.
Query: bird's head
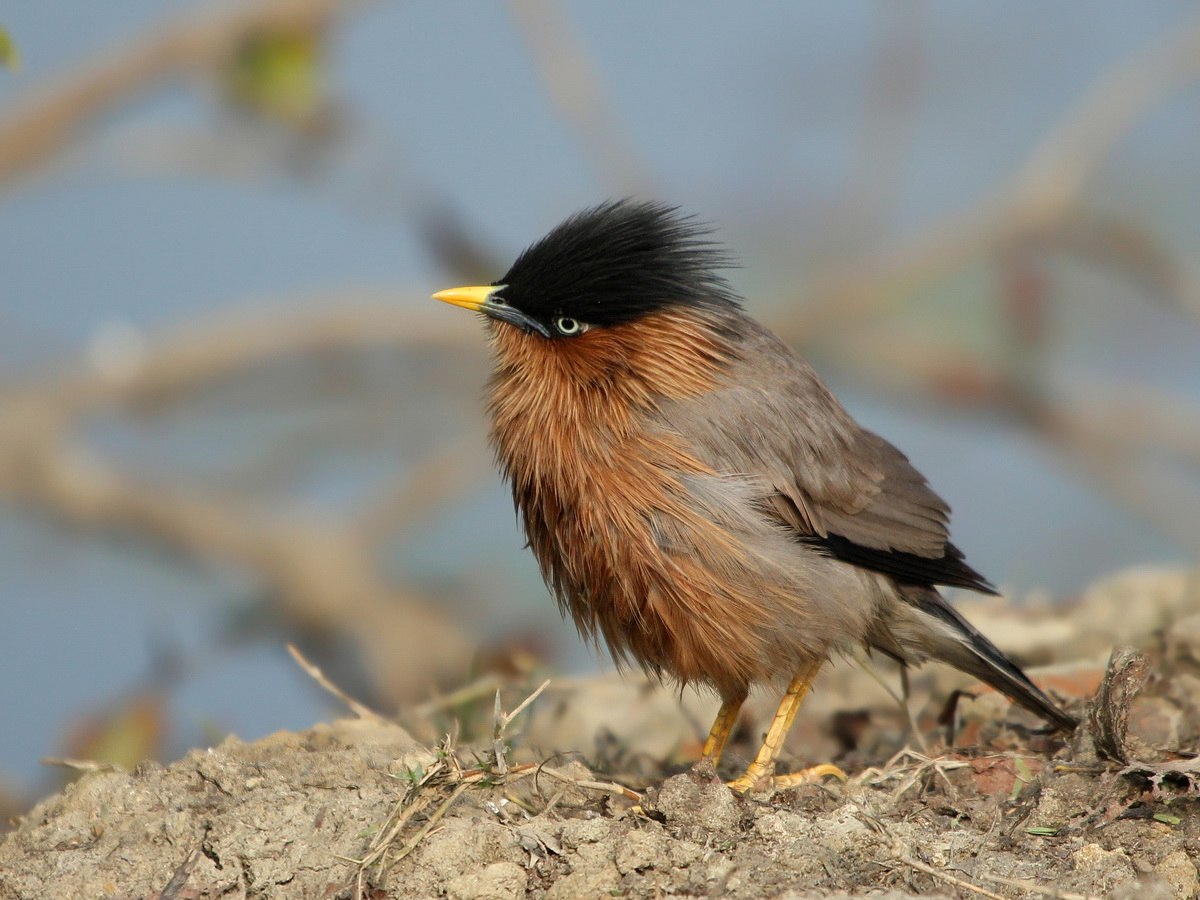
column 606, row 267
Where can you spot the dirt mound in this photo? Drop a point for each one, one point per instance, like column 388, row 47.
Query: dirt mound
column 977, row 801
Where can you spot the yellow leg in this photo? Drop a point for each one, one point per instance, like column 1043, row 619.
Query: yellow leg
column 722, row 728
column 764, row 762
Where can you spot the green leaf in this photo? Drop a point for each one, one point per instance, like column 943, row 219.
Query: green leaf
column 413, row 774
column 1167, row 818
column 1042, row 831
column 279, row 75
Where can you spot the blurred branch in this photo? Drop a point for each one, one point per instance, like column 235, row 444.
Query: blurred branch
column 322, row 573
column 570, row 78
column 44, row 122
column 1131, row 251
column 1041, row 195
column 202, row 353
column 889, row 119
column 1107, row 440
column 452, row 471
column 1112, row 464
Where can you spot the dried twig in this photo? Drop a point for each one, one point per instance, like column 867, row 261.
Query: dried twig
column 480, row 687
column 314, row 672
column 80, row 765
column 907, row 860
column 909, row 775
column 433, row 820
column 901, row 700
column 608, row 787
column 323, row 574
column 501, row 722
column 407, row 807
column 442, row 477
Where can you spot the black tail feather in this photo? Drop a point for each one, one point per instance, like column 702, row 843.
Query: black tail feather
column 978, row 656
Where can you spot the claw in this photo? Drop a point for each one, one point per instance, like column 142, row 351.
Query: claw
column 750, row 781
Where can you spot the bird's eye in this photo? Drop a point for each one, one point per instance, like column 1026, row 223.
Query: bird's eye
column 568, row 326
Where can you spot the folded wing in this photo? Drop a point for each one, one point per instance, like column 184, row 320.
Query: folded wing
column 838, row 486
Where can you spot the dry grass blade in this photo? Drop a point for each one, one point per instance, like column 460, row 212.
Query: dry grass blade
column 501, row 722
column 465, row 694
column 480, row 776
column 907, row 860
column 910, row 774
column 608, row 787
column 80, row 765
column 433, row 820
column 524, row 703
column 902, row 699
column 385, row 837
column 313, row 672
column 402, row 813
column 180, row 878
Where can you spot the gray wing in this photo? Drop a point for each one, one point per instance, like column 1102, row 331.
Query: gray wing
column 836, row 485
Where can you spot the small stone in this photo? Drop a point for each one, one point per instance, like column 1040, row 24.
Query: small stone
column 593, row 875
column 684, row 801
column 844, row 833
column 585, row 831
column 643, row 850
column 684, row 853
column 499, row 881
column 1061, row 800
column 1104, row 869
column 1178, row 871
column 774, row 826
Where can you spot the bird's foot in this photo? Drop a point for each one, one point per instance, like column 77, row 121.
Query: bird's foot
column 754, row 780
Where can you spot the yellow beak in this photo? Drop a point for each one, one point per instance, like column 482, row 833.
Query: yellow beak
column 472, row 298
column 483, row 299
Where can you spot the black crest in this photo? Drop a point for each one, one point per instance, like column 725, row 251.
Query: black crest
column 617, row 261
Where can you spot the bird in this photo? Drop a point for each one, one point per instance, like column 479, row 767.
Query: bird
column 695, row 496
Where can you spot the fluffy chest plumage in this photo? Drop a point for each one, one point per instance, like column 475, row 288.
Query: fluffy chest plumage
column 605, row 496
column 589, row 485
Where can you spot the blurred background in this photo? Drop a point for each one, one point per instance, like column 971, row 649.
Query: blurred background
column 230, row 415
